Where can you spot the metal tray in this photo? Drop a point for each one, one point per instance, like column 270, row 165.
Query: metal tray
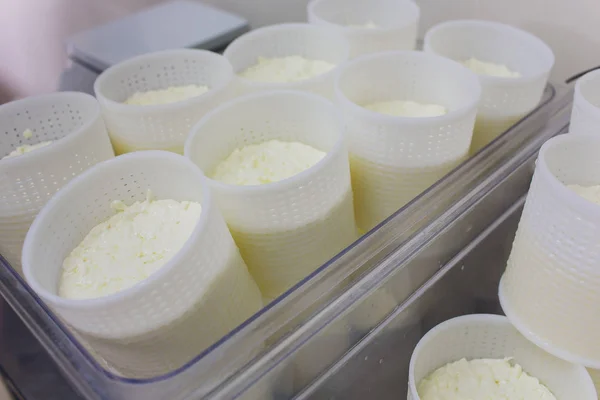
column 319, row 306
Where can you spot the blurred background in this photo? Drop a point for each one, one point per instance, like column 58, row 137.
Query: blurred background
column 32, row 32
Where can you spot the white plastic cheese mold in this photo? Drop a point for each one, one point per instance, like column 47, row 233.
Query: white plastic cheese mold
column 162, row 322
column 370, row 26
column 160, row 126
column 585, row 116
column 393, row 159
column 549, row 290
column 493, row 336
column 504, row 101
column 73, row 122
column 305, row 40
column 285, row 229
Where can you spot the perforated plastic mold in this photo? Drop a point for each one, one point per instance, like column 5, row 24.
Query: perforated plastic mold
column 160, row 126
column 162, row 322
column 288, row 228
column 393, row 23
column 73, row 122
column 492, row 336
column 549, row 290
column 306, row 40
column 503, row 100
column 393, row 159
column 585, row 117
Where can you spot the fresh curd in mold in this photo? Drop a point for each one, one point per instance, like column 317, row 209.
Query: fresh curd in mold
column 26, row 148
column 267, row 162
column 127, row 248
column 482, row 379
column 490, row 69
column 172, row 94
column 286, row 69
column 281, row 253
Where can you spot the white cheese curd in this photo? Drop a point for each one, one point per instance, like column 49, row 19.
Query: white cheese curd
column 482, row 379
column 26, row 148
column 367, row 25
column 401, row 108
column 266, row 162
column 490, row 69
column 590, row 193
column 286, row 69
column 172, row 94
column 127, row 248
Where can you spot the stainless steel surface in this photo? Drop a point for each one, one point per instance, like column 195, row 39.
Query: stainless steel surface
column 392, row 261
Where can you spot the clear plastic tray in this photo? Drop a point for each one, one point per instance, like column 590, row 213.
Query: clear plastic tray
column 451, row 267
column 377, row 366
column 319, row 306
